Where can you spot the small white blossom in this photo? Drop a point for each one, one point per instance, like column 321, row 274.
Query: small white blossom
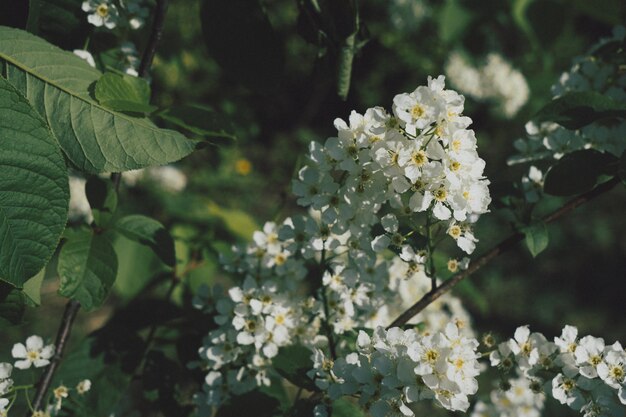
column 102, row 13
column 34, row 353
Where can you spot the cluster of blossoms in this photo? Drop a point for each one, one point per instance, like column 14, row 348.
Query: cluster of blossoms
column 396, row 368
column 420, row 159
column 584, row 373
column 131, row 13
column 495, row 81
column 598, row 71
column 354, row 260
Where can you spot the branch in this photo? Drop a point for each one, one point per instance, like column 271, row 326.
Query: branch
column 155, row 37
column 502, row 247
column 71, row 310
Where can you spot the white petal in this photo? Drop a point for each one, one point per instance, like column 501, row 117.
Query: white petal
column 23, row 364
column 40, row 363
column 18, row 351
column 34, row 343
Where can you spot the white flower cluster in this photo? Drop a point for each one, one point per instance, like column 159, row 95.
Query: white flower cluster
column 586, row 374
column 496, row 81
column 420, row 159
column 395, row 368
column 132, row 13
column 597, row 71
column 517, row 400
column 410, row 284
column 327, row 273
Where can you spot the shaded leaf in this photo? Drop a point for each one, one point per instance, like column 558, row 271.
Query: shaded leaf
column 102, row 199
column 34, row 190
column 12, row 305
column 536, row 237
column 292, row 363
column 578, row 109
column 241, row 39
column 200, row 120
column 150, row 232
column 87, row 268
column 95, row 138
column 253, row 403
column 578, row 172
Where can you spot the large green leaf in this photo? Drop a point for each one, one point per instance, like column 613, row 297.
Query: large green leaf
column 87, row 268
column 33, row 189
column 577, row 109
column 95, row 138
column 578, row 172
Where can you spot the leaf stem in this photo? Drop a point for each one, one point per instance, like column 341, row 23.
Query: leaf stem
column 63, row 334
column 497, row 250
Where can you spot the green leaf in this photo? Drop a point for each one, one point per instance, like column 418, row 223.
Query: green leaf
column 32, row 287
column 200, row 120
column 577, row 109
column 102, row 199
column 241, row 39
column 346, row 408
column 61, row 22
column 123, row 92
column 137, row 265
column 95, row 138
column 537, row 238
column 578, row 172
column 12, row 305
column 87, row 268
column 34, row 191
column 292, row 363
column 150, row 232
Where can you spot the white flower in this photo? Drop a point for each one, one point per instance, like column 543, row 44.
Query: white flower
column 4, row 402
column 566, row 391
column 613, row 369
column 83, row 386
column 5, row 378
column 34, row 353
column 60, row 393
column 79, row 208
column 86, row 55
column 103, row 13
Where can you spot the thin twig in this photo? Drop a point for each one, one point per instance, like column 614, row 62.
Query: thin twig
column 503, row 246
column 71, row 310
column 157, row 30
